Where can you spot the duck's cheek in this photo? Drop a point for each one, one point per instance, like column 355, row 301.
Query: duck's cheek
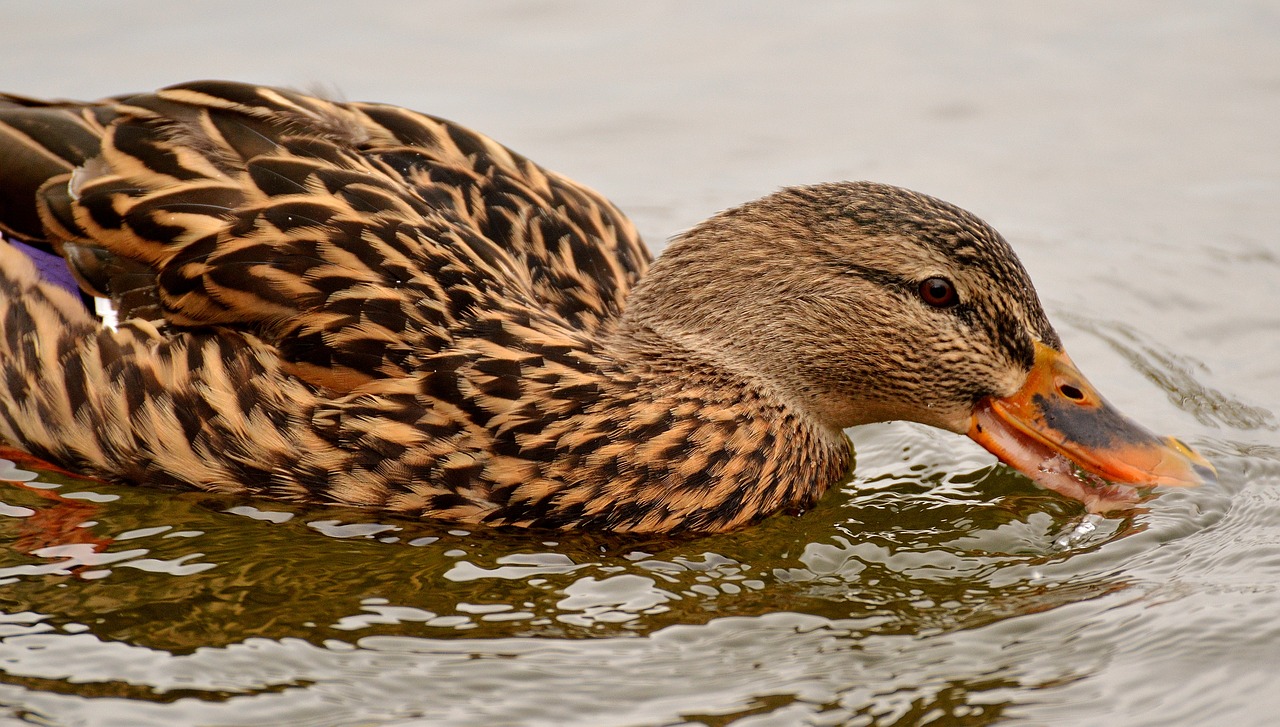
column 1057, row 422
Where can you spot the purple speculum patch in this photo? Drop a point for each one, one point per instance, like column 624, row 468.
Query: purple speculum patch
column 53, row 269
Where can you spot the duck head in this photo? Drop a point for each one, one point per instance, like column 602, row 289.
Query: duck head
column 860, row 302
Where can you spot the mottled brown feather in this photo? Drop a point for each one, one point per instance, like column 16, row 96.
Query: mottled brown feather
column 356, row 303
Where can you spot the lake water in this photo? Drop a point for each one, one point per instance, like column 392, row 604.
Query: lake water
column 1129, row 151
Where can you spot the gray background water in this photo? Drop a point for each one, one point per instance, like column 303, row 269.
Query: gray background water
column 1129, row 151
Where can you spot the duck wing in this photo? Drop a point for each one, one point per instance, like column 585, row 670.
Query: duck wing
column 354, row 238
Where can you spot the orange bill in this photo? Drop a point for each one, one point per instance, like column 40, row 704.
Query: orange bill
column 1058, row 425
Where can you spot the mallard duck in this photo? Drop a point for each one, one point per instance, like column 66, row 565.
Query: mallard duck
column 358, row 304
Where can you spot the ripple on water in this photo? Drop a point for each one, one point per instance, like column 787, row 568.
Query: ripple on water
column 1178, row 376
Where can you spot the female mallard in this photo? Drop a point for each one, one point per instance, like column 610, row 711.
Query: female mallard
column 355, row 303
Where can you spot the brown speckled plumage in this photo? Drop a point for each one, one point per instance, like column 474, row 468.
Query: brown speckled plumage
column 354, row 303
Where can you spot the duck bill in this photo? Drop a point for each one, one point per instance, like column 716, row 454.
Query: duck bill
column 1057, row 422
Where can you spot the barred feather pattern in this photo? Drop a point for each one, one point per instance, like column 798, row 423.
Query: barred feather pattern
column 359, row 304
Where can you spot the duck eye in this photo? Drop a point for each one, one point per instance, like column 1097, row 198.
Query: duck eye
column 939, row 292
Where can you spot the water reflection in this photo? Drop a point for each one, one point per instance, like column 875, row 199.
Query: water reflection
column 907, row 551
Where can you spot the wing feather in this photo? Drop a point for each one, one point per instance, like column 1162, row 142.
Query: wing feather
column 354, row 237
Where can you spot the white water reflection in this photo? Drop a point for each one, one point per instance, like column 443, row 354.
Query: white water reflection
column 806, row 664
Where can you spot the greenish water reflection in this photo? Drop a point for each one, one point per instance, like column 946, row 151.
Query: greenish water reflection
column 180, row 571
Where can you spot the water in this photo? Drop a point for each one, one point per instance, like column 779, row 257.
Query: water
column 1130, row 155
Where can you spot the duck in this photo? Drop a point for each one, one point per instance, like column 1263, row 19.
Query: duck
column 347, row 303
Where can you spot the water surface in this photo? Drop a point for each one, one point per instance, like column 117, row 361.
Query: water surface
column 1128, row 153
